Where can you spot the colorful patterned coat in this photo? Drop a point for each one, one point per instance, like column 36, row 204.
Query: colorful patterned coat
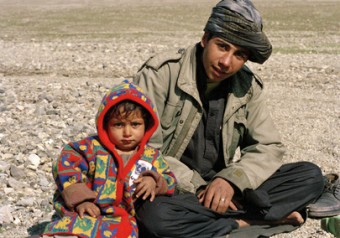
column 91, row 169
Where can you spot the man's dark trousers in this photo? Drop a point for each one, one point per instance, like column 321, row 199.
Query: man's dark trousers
column 291, row 188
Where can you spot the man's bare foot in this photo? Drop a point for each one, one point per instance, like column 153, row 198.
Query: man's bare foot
column 244, row 223
column 293, row 218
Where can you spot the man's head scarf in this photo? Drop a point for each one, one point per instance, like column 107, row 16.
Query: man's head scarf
column 238, row 22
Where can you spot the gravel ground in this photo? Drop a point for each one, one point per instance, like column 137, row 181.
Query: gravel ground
column 59, row 58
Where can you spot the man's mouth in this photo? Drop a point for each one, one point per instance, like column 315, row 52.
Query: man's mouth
column 219, row 72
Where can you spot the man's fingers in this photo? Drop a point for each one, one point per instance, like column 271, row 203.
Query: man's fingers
column 233, row 206
column 237, row 204
column 208, row 199
column 212, row 196
column 216, row 203
column 218, row 196
column 223, row 204
column 201, row 196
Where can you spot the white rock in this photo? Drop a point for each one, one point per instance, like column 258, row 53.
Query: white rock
column 8, row 190
column 26, row 202
column 34, row 160
column 16, row 221
column 7, row 156
column 6, row 214
column 4, row 166
column 13, row 183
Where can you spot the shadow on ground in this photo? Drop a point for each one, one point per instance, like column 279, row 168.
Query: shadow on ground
column 38, row 228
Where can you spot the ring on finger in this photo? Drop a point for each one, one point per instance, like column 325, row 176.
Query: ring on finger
column 222, row 200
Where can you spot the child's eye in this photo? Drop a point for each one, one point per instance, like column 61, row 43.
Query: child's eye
column 118, row 125
column 135, row 124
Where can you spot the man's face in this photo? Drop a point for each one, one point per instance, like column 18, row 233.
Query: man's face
column 221, row 59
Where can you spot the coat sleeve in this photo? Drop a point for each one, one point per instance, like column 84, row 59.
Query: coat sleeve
column 158, row 78
column 260, row 144
column 154, row 84
column 168, row 183
column 70, row 172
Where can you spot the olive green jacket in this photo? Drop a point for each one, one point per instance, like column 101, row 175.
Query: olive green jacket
column 170, row 81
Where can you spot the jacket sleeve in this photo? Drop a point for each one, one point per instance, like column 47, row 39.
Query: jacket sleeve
column 188, row 180
column 260, row 144
column 165, row 179
column 158, row 78
column 70, row 172
column 154, row 84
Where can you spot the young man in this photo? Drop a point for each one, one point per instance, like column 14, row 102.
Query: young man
column 101, row 178
column 210, row 105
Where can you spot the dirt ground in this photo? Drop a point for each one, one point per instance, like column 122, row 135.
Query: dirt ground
column 81, row 47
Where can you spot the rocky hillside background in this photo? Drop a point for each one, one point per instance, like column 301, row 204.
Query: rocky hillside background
column 58, row 58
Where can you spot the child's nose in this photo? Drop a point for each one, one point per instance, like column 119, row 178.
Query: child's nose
column 127, row 131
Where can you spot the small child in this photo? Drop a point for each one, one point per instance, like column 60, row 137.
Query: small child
column 100, row 178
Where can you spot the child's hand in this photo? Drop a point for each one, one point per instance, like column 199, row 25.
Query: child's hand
column 88, row 207
column 146, row 186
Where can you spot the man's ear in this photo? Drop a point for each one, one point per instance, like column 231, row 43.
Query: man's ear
column 204, row 40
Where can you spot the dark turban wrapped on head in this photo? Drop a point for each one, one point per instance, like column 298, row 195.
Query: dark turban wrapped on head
column 238, row 22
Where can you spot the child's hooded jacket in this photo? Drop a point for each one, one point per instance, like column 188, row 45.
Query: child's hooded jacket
column 91, row 170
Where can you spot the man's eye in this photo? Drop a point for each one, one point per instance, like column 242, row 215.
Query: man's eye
column 223, row 47
column 242, row 55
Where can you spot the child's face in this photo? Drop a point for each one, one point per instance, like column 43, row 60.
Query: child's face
column 126, row 132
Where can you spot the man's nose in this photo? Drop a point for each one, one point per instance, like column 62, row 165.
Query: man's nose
column 225, row 60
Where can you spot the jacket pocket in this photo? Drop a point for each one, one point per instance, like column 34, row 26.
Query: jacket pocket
column 170, row 115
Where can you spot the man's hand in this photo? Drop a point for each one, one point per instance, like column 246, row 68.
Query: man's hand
column 145, row 186
column 218, row 196
column 88, row 207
